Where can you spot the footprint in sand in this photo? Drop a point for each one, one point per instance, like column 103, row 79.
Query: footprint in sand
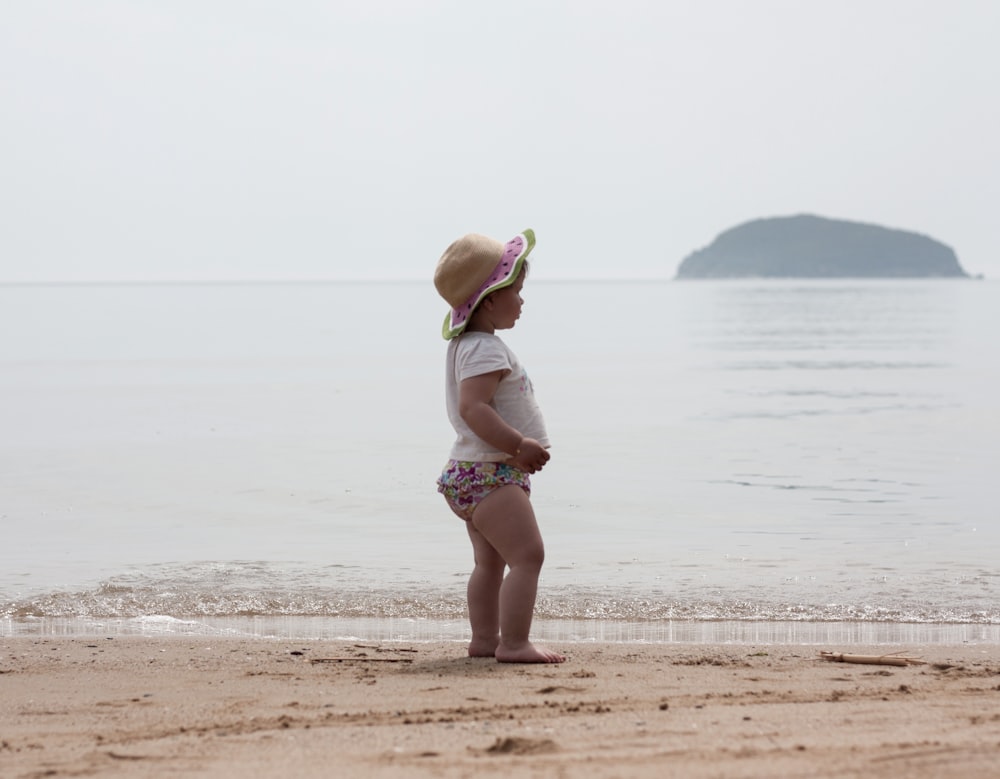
column 522, row 746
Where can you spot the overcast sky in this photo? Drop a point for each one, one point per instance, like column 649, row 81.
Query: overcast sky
column 218, row 139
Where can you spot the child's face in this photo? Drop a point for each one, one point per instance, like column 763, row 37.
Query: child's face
column 507, row 303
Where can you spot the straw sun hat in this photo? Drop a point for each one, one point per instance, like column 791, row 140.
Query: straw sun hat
column 473, row 267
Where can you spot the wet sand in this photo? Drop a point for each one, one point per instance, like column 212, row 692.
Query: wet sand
column 233, row 707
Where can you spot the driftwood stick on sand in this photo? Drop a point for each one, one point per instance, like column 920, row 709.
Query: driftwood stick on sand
column 894, row 659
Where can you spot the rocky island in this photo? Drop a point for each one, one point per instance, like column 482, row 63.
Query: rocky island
column 807, row 246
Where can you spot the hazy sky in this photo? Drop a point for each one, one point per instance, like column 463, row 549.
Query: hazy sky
column 236, row 139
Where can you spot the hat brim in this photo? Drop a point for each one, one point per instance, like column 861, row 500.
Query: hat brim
column 516, row 251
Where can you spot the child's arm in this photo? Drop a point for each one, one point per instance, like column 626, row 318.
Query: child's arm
column 474, row 396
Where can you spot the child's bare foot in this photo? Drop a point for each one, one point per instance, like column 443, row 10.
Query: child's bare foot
column 528, row 653
column 483, row 647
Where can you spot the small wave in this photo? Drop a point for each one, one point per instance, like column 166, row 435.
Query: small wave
column 835, row 365
column 153, row 607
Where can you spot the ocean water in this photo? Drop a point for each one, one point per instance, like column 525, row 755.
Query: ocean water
column 753, row 460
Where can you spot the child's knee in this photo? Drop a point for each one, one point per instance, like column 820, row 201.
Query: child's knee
column 531, row 556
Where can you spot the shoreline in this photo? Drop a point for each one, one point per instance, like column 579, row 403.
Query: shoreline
column 572, row 631
column 137, row 706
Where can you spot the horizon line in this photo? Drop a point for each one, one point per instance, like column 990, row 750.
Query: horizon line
column 414, row 280
column 304, row 280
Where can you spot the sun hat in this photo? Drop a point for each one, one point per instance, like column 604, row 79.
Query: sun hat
column 473, row 267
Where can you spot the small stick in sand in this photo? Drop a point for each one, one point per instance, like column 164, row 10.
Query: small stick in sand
column 894, row 659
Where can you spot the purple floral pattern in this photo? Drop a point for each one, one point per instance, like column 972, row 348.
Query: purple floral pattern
column 464, row 484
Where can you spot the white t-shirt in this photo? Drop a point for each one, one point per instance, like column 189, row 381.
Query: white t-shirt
column 473, row 354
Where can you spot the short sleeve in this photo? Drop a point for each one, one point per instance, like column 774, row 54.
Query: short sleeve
column 477, row 356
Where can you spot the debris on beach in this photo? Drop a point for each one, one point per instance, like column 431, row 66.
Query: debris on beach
column 893, row 659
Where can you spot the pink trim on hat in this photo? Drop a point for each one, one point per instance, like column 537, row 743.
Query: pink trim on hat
column 508, row 261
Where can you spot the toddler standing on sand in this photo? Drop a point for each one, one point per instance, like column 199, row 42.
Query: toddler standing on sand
column 501, row 440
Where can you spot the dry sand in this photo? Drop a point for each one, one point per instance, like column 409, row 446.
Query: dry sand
column 173, row 706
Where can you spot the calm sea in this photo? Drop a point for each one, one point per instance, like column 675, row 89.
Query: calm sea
column 765, row 460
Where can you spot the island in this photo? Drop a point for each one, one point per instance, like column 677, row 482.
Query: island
column 807, row 246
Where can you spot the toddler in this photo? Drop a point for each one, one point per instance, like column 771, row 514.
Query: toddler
column 501, row 439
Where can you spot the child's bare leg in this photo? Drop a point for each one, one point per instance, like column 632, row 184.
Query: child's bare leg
column 506, row 520
column 484, row 596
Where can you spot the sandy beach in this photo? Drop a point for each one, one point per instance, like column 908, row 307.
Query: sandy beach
column 227, row 707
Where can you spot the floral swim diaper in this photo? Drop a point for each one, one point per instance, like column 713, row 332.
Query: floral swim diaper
column 465, row 484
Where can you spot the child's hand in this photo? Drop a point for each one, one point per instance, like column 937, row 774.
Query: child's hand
column 531, row 456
